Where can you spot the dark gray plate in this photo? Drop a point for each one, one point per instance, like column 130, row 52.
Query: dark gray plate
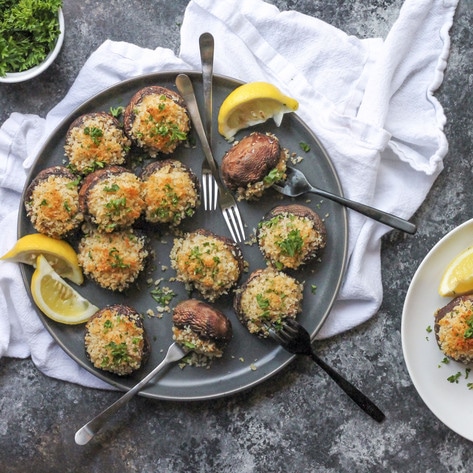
column 248, row 360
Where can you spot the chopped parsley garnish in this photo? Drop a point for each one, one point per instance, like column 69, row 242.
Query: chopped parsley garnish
column 263, row 302
column 469, row 331
column 273, row 176
column 304, row 147
column 117, row 259
column 116, row 205
column 95, row 133
column 108, row 324
column 162, row 295
column 454, row 378
column 116, row 111
column 119, row 352
column 113, row 188
column 292, row 244
column 74, row 183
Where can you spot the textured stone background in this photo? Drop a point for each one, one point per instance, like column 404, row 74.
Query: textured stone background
column 299, row 421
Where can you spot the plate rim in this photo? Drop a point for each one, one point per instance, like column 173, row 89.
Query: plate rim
column 103, row 376
column 413, row 365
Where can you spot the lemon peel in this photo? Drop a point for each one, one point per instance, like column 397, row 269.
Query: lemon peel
column 60, row 255
column 56, row 298
column 457, row 278
column 251, row 104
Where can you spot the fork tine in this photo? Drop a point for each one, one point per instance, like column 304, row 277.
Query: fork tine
column 204, row 190
column 278, row 335
column 213, row 192
column 292, row 326
column 214, row 196
column 240, row 226
column 226, row 216
column 234, row 223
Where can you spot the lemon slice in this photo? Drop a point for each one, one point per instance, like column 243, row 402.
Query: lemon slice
column 60, row 255
column 458, row 277
column 251, row 104
column 56, row 299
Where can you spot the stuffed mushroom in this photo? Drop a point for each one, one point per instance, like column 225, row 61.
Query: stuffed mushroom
column 266, row 299
column 210, row 263
column 111, row 198
column 201, row 328
column 254, row 164
column 170, row 192
column 52, row 202
column 116, row 340
column 290, row 236
column 95, row 140
column 156, row 120
column 454, row 329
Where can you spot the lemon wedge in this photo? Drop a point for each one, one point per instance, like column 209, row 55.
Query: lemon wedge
column 56, row 299
column 60, row 255
column 458, row 276
column 251, row 104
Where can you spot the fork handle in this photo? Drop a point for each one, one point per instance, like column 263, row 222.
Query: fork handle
column 206, row 45
column 186, row 89
column 376, row 214
column 356, row 395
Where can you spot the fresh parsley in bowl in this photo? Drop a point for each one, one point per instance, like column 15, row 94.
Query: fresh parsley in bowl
column 31, row 35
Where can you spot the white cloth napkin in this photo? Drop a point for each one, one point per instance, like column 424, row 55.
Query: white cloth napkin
column 369, row 101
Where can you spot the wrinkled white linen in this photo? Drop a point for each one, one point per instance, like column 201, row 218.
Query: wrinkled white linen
column 369, row 101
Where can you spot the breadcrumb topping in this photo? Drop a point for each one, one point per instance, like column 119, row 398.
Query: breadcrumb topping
column 98, row 141
column 288, row 240
column 268, row 298
column 170, row 195
column 455, row 332
column 54, row 206
column 160, row 124
column 112, row 260
column 115, row 342
column 206, row 263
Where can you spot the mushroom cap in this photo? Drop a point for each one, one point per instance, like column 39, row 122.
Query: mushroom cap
column 250, row 160
column 204, row 320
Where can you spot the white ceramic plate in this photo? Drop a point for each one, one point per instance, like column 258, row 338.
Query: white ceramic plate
column 450, row 402
column 14, row 77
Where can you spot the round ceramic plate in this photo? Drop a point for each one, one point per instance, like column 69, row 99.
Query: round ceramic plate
column 450, row 400
column 248, row 360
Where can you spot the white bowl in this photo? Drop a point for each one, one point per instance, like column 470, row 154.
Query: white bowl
column 12, row 77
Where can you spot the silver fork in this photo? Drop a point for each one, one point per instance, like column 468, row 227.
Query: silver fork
column 87, row 432
column 297, row 184
column 294, row 338
column 227, row 202
column 209, row 186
